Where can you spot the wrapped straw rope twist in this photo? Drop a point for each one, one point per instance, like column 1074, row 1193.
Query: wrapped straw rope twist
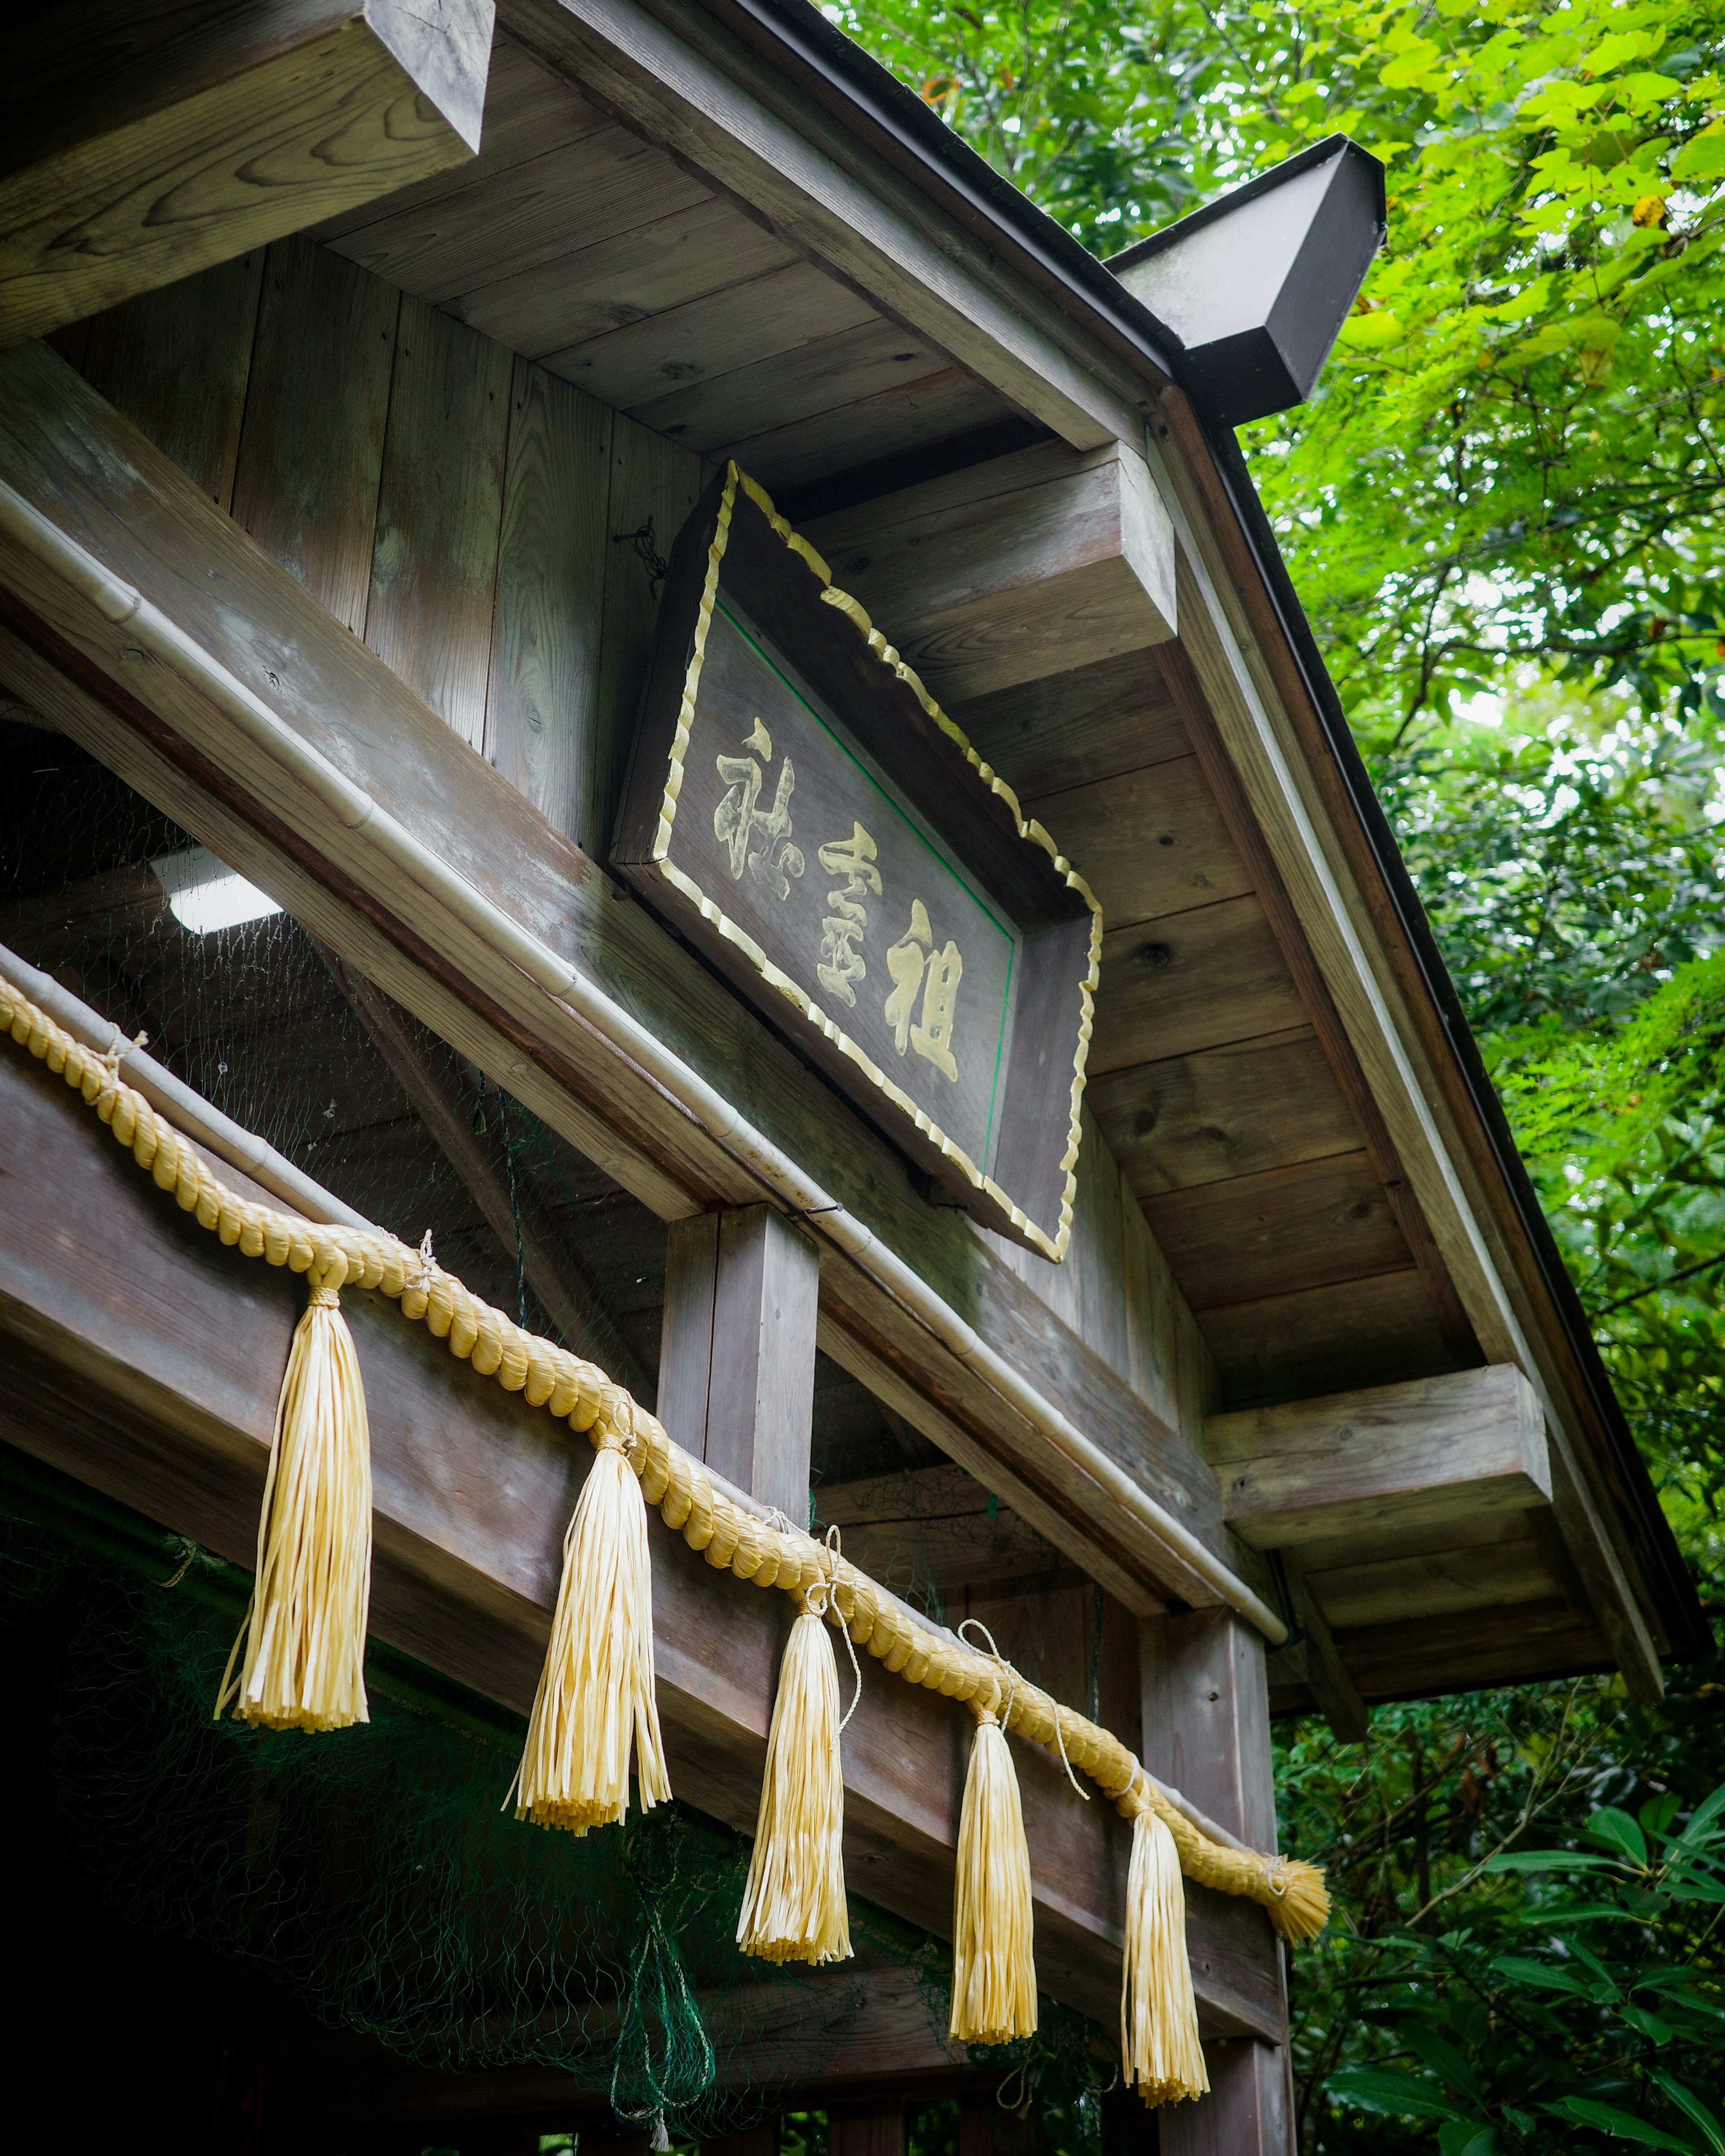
column 581, row 1394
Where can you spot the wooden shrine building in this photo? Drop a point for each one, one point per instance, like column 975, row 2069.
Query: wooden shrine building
column 620, row 653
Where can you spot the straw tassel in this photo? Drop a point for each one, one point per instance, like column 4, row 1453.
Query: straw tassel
column 993, row 1969
column 305, row 1633
column 1158, row 2015
column 595, row 1695
column 794, row 1907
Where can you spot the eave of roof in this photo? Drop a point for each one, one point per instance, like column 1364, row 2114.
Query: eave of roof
column 833, row 69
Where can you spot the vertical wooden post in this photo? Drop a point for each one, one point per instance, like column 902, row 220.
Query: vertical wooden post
column 736, row 1354
column 1207, row 1732
column 866, row 2129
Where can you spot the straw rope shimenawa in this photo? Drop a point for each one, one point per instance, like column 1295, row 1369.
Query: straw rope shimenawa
column 678, row 1486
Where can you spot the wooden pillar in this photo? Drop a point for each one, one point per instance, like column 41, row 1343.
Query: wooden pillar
column 866, row 2129
column 1207, row 1732
column 737, row 1355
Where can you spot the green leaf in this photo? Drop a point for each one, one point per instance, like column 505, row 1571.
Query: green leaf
column 1519, row 1971
column 1702, row 159
column 1621, row 2125
column 1381, row 2088
column 1616, row 1829
column 1653, row 2026
column 1687, row 2101
column 1709, row 1808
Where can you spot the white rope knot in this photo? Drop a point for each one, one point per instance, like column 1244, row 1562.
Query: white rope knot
column 1278, row 1876
column 428, row 1265
column 118, row 1050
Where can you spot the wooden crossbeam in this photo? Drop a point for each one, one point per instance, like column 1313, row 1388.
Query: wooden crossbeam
column 141, row 1356
column 144, row 141
column 1013, row 570
column 1431, row 1452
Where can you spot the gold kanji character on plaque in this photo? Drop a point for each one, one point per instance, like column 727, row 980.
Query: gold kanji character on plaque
column 739, row 818
column 914, row 963
column 841, row 963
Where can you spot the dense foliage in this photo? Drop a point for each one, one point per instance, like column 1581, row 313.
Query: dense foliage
column 1502, row 511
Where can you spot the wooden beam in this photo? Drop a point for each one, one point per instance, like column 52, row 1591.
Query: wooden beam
column 71, row 457
column 736, row 1354
column 1398, row 1457
column 939, row 1523
column 140, row 1356
column 144, row 142
column 567, row 1292
column 1013, row 570
column 1207, row 1718
column 687, row 84
column 1314, row 1653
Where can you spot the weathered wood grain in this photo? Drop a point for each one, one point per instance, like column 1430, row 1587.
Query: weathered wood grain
column 147, row 1364
column 744, row 324
column 61, row 447
column 1091, row 722
column 893, row 422
column 1003, row 574
column 529, row 109
column 930, row 1526
column 651, row 270
column 1277, row 1232
column 1421, row 1657
column 1398, row 1457
column 146, row 141
column 439, row 509
column 761, row 1394
column 606, row 180
column 310, row 457
column 1356, row 1334
column 690, row 85
column 1441, row 1584
column 1314, row 1650
column 1194, row 1120
column 551, row 563
column 176, row 362
column 1194, row 981
column 1146, row 842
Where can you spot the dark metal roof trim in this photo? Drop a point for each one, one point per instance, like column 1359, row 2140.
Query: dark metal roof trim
column 801, row 41
column 1302, row 160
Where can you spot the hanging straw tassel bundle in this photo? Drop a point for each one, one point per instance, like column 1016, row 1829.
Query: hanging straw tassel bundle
column 595, row 1695
column 305, row 1633
column 794, row 1907
column 993, row 1968
column 1159, row 2046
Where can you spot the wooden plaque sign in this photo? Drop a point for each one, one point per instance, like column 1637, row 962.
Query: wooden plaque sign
column 811, row 819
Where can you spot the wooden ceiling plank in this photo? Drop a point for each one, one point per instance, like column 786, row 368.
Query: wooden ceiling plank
column 607, row 182
column 1190, row 1121
column 1442, row 1583
column 1417, row 1657
column 1326, row 1339
column 872, row 226
column 1199, row 980
column 267, row 117
column 891, row 423
column 562, row 304
column 1313, row 1651
column 1277, row 1232
column 744, row 324
column 1396, row 1456
column 1093, row 722
column 529, row 109
column 831, row 374
column 1148, row 842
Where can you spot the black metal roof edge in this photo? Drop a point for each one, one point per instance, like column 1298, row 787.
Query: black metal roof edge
column 1302, row 160
column 804, row 41
column 1680, row 1603
column 798, row 33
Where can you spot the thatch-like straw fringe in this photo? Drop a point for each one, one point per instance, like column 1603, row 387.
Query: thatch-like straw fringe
column 595, row 1700
column 993, row 1959
column 794, row 1908
column 305, row 1633
column 1159, row 2048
